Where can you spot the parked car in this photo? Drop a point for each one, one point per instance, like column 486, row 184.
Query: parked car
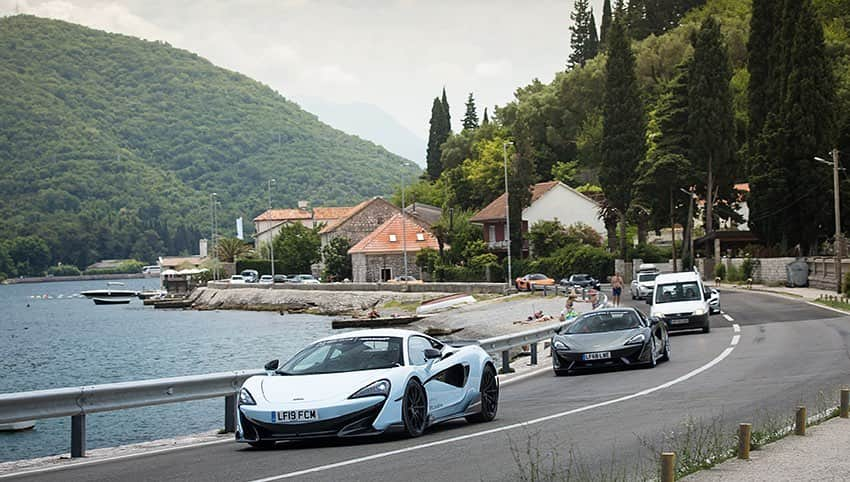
column 280, row 278
column 610, row 337
column 250, row 275
column 681, row 300
column 580, row 281
column 644, row 284
column 536, row 279
column 237, row 279
column 404, row 279
column 307, row 279
column 266, row 279
column 366, row 383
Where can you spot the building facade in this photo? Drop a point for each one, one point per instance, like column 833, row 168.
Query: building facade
column 380, row 256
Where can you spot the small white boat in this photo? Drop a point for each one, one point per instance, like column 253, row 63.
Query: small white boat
column 444, row 302
column 114, row 283
column 17, row 426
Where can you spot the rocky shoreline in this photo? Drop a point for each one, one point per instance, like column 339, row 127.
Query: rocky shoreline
column 334, row 303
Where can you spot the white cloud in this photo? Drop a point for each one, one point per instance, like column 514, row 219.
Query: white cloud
column 493, row 68
column 333, row 75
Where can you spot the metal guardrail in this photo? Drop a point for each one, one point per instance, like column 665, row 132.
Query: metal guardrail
column 77, row 402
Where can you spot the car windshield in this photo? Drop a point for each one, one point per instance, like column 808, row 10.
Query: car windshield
column 685, row 291
column 647, row 276
column 603, row 322
column 537, row 276
column 346, row 355
column 580, row 277
column 305, row 276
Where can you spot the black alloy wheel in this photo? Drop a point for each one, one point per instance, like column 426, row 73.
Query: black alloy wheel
column 414, row 408
column 706, row 328
column 489, row 390
column 653, row 362
column 665, row 355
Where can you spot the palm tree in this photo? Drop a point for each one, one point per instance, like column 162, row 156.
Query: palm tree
column 229, row 249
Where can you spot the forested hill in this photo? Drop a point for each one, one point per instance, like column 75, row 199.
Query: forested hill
column 107, row 139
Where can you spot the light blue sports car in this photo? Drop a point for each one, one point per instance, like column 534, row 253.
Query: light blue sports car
column 366, row 383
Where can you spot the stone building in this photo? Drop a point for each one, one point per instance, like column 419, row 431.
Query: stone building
column 268, row 224
column 380, row 255
column 359, row 221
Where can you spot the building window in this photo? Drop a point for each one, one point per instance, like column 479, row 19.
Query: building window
column 507, row 233
column 393, row 238
column 492, row 233
column 386, row 274
column 420, row 236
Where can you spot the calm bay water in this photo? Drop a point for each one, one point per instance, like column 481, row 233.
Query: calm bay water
column 66, row 341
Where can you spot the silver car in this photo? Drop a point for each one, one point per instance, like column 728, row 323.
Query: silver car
column 643, row 285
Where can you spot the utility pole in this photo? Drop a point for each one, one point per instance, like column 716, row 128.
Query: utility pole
column 507, row 210
column 403, row 224
column 673, row 230
column 690, row 226
column 839, row 245
column 271, row 244
column 213, row 251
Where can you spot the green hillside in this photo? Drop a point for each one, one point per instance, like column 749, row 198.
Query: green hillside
column 107, row 139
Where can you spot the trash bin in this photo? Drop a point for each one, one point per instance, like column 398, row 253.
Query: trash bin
column 797, row 273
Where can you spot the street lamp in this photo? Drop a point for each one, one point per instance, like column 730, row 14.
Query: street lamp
column 271, row 244
column 213, row 203
column 838, row 244
column 693, row 196
column 403, row 223
column 507, row 208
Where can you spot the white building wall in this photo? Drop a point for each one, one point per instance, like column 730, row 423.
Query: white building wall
column 567, row 206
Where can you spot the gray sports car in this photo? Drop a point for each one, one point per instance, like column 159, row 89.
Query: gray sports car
column 610, row 337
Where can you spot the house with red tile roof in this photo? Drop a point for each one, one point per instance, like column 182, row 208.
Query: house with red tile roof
column 359, row 221
column 380, row 255
column 550, row 201
column 268, row 224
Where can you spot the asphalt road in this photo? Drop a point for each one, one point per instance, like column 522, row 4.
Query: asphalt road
column 786, row 353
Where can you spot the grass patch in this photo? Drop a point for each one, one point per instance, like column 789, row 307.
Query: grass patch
column 839, row 305
column 407, row 306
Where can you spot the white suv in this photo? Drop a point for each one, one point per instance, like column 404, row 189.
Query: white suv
column 681, row 300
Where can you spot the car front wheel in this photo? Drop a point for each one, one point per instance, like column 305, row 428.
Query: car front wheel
column 489, row 391
column 414, row 408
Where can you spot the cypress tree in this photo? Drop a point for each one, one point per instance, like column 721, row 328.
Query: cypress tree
column 592, row 46
column 470, row 120
column 447, row 113
column 711, row 119
column 436, row 137
column 485, row 120
column 623, row 126
column 606, row 24
column 761, row 57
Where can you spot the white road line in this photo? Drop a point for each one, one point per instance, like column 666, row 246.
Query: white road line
column 736, row 339
column 728, row 318
column 535, row 421
column 737, row 328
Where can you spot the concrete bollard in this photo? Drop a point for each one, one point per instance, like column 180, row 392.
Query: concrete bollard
column 844, row 408
column 800, row 421
column 668, row 466
column 745, row 431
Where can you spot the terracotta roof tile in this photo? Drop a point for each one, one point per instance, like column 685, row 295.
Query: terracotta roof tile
column 330, row 213
column 331, row 227
column 381, row 239
column 496, row 209
column 283, row 215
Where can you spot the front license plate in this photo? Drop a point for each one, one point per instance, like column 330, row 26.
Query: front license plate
column 289, row 416
column 604, row 355
column 681, row 321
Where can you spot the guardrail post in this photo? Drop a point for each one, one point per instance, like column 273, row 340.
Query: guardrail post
column 844, row 410
column 668, row 466
column 534, row 353
column 800, row 422
column 506, row 362
column 744, row 436
column 78, row 435
column 230, row 413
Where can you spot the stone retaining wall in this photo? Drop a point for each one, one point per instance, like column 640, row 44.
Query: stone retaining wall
column 472, row 288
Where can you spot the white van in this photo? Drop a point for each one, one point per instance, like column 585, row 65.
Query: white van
column 681, row 300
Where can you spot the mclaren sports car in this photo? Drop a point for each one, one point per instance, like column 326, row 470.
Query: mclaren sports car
column 610, row 337
column 366, row 383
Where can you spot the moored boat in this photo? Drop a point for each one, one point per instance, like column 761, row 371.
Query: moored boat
column 111, row 301
column 444, row 302
column 17, row 426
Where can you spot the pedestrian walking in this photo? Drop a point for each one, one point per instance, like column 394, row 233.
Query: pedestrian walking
column 616, row 288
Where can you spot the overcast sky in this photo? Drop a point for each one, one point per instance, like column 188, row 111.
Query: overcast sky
column 395, row 54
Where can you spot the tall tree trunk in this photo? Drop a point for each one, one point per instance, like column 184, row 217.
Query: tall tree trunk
column 672, row 231
column 623, row 236
column 709, row 208
column 641, row 229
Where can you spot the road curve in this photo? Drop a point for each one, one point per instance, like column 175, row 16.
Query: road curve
column 785, row 353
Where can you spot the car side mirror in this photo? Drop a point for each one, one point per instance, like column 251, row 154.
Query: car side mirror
column 654, row 320
column 432, row 354
column 272, row 365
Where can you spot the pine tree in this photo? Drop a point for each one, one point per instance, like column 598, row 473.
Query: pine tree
column 485, row 120
column 711, row 118
column 436, row 137
column 579, row 34
column 592, row 46
column 761, row 58
column 470, row 120
column 636, row 14
column 623, row 126
column 605, row 27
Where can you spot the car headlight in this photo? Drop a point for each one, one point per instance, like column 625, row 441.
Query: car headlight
column 379, row 388
column 699, row 312
column 245, row 398
column 637, row 339
column 560, row 345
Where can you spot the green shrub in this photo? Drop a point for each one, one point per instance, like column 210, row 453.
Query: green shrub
column 748, row 267
column 845, row 287
column 126, row 267
column 720, row 271
column 64, row 270
column 733, row 273
column 576, row 258
column 649, row 253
